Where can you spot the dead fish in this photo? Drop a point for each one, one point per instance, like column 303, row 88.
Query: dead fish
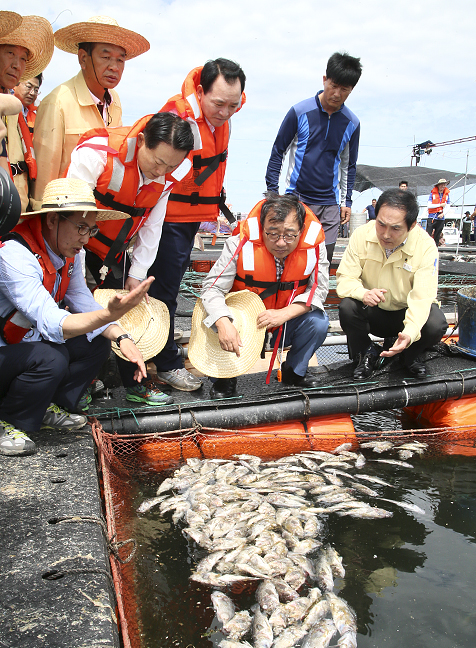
column 316, row 612
column 335, row 562
column 395, row 462
column 296, row 610
column 267, row 596
column 289, row 637
column 150, row 503
column 219, row 580
column 239, row 625
column 320, row 635
column 285, row 591
column 229, row 643
column 223, row 606
column 278, row 620
column 366, row 512
column 409, row 507
column 207, row 563
column 405, row 454
column 262, row 631
column 342, row 614
column 375, row 480
column 324, row 574
column 343, row 447
column 362, row 488
column 348, row 640
column 378, row 446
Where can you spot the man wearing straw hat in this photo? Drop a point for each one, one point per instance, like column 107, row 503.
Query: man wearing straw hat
column 24, row 53
column 438, row 200
column 280, row 254
column 49, row 355
column 87, row 100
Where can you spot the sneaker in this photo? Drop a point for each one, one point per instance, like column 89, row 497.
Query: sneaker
column 180, row 379
column 14, row 442
column 85, row 400
column 56, row 418
column 145, row 392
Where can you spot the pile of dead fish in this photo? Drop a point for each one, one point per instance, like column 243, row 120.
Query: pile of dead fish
column 265, row 522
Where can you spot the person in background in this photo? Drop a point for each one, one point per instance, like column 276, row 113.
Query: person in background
column 28, row 92
column 24, row 53
column 210, row 95
column 388, row 281
column 370, row 209
column 322, row 137
column 49, row 354
column 467, row 224
column 403, row 185
column 286, row 265
column 438, row 200
column 86, row 101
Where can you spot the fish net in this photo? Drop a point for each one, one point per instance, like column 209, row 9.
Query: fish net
column 121, row 457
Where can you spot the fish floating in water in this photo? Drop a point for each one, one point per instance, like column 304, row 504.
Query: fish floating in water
column 264, row 523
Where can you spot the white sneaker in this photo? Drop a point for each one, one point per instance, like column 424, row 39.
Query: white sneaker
column 14, row 442
column 180, row 379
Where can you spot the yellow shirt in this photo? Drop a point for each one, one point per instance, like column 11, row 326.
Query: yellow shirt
column 15, row 154
column 409, row 275
column 62, row 117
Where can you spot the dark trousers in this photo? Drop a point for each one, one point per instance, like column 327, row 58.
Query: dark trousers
column 358, row 321
column 434, row 228
column 35, row 374
column 171, row 262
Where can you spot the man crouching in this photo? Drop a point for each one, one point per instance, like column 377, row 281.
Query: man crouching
column 279, row 254
column 50, row 354
column 388, row 278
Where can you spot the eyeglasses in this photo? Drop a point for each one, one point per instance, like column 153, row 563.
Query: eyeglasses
column 32, row 89
column 287, row 238
column 84, row 229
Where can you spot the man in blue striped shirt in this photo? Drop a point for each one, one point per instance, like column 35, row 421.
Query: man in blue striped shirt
column 322, row 137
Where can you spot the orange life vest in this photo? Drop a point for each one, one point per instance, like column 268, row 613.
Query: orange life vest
column 31, row 117
column 27, row 144
column 118, row 188
column 256, row 267
column 199, row 196
column 435, row 199
column 12, row 328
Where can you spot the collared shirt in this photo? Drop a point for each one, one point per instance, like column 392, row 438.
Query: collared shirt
column 389, row 252
column 21, row 288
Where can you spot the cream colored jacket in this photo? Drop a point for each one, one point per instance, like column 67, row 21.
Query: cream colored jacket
column 62, row 117
column 409, row 275
column 15, row 154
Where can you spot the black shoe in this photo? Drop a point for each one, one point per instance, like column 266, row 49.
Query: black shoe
column 367, row 363
column 290, row 378
column 388, row 343
column 223, row 388
column 417, row 369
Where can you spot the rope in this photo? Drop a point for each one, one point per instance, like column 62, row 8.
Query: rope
column 307, row 403
column 358, row 399
column 113, row 547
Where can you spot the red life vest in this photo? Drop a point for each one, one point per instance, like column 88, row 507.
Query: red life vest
column 12, row 329
column 27, row 144
column 199, row 196
column 256, row 267
column 31, row 117
column 118, row 188
column 435, row 199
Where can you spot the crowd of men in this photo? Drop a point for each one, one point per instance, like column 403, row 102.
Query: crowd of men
column 133, row 197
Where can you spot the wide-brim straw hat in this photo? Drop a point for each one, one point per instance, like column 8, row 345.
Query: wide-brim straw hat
column 36, row 35
column 101, row 29
column 204, row 350
column 9, row 20
column 148, row 323
column 72, row 195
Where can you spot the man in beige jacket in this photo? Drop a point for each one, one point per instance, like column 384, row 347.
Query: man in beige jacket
column 86, row 101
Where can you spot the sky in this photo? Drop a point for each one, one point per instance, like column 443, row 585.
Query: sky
column 418, row 81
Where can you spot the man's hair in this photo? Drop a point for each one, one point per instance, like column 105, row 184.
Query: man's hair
column 279, row 207
column 399, row 199
column 229, row 70
column 403, row 182
column 87, row 47
column 170, row 129
column 344, row 69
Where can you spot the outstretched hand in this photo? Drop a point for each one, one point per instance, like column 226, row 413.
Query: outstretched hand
column 119, row 305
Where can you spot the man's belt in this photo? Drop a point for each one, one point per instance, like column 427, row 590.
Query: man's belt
column 18, row 168
column 270, row 287
column 108, row 200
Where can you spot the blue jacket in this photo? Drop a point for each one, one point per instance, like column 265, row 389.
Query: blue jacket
column 323, row 153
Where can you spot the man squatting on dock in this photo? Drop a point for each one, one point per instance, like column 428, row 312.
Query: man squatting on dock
column 280, row 254
column 388, row 279
column 48, row 354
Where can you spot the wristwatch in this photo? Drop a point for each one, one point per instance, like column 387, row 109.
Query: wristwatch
column 123, row 337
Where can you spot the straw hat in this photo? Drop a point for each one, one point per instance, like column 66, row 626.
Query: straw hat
column 71, row 195
column 36, row 35
column 101, row 29
column 9, row 20
column 204, row 350
column 148, row 323
column 442, row 181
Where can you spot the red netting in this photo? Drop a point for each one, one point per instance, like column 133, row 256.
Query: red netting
column 122, row 456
